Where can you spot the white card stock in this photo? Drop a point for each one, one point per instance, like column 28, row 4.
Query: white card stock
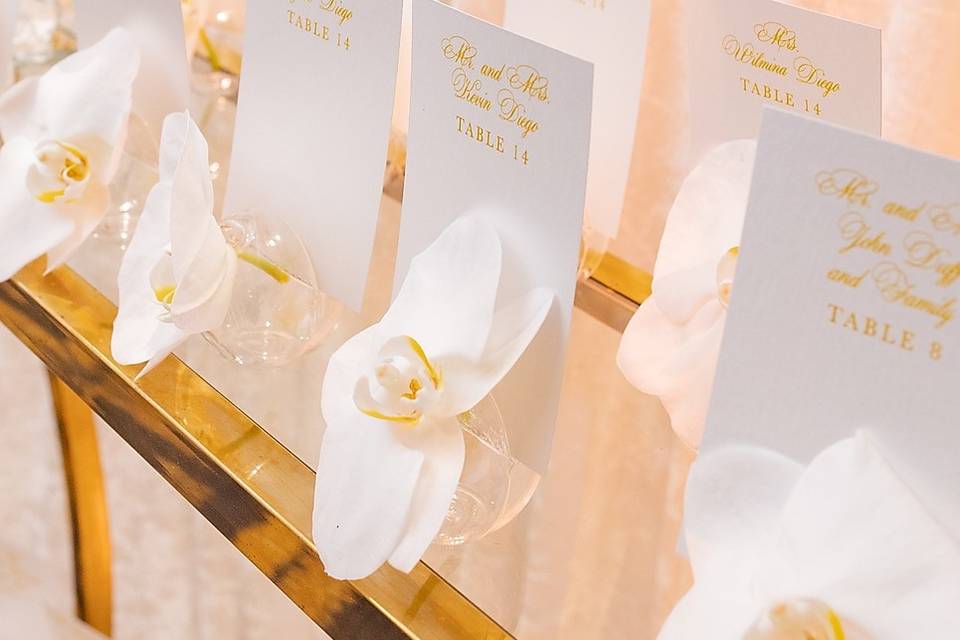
column 612, row 34
column 500, row 128
column 313, row 123
column 845, row 304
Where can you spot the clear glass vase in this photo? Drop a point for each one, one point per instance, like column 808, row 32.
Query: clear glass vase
column 494, row 486
column 216, row 56
column 277, row 312
column 593, row 246
column 136, row 175
column 39, row 40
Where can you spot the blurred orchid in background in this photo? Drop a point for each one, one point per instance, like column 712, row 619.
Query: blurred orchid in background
column 671, row 346
column 63, row 135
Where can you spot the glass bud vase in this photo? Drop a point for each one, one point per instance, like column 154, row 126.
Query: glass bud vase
column 36, row 42
column 136, row 175
column 277, row 312
column 494, row 487
column 593, row 246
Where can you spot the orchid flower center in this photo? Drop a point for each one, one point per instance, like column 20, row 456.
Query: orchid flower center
column 798, row 619
column 163, row 285
column 403, row 384
column 59, row 173
column 726, row 269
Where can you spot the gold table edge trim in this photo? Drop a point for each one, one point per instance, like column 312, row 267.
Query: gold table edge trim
column 251, row 488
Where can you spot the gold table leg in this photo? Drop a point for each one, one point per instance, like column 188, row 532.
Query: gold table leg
column 88, row 506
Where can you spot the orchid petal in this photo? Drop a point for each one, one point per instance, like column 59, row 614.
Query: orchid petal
column 675, row 362
column 17, row 117
column 438, row 351
column 28, row 227
column 869, row 548
column 682, row 293
column 173, row 141
column 732, row 509
column 707, row 216
column 204, row 296
column 90, row 94
column 364, row 489
column 845, row 531
column 86, row 216
column 688, row 378
column 447, row 299
column 138, row 333
column 177, row 218
column 443, row 451
column 647, row 346
column 383, row 489
column 514, row 328
column 191, row 202
column 709, row 612
column 671, row 346
column 366, row 476
column 204, row 266
column 732, row 512
column 82, row 101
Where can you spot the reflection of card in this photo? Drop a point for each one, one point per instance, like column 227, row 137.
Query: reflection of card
column 845, row 309
column 751, row 53
column 613, row 35
column 500, row 126
column 312, row 127
column 8, row 26
column 163, row 85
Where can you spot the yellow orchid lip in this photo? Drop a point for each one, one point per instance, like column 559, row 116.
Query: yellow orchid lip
column 75, row 170
column 403, row 386
column 165, row 293
column 49, row 197
column 411, row 419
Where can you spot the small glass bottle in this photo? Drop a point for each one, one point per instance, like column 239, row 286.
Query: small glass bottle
column 277, row 312
column 593, row 247
column 136, row 175
column 494, row 486
column 40, row 39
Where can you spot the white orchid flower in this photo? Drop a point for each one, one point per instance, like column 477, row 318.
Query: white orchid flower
column 63, row 138
column 671, row 345
column 177, row 276
column 839, row 550
column 393, row 449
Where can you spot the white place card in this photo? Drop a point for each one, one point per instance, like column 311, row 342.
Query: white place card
column 8, row 28
column 313, row 122
column 163, row 85
column 500, row 127
column 612, row 34
column 751, row 53
column 845, row 306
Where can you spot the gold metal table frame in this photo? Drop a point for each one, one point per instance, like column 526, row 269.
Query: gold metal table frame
column 251, row 488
